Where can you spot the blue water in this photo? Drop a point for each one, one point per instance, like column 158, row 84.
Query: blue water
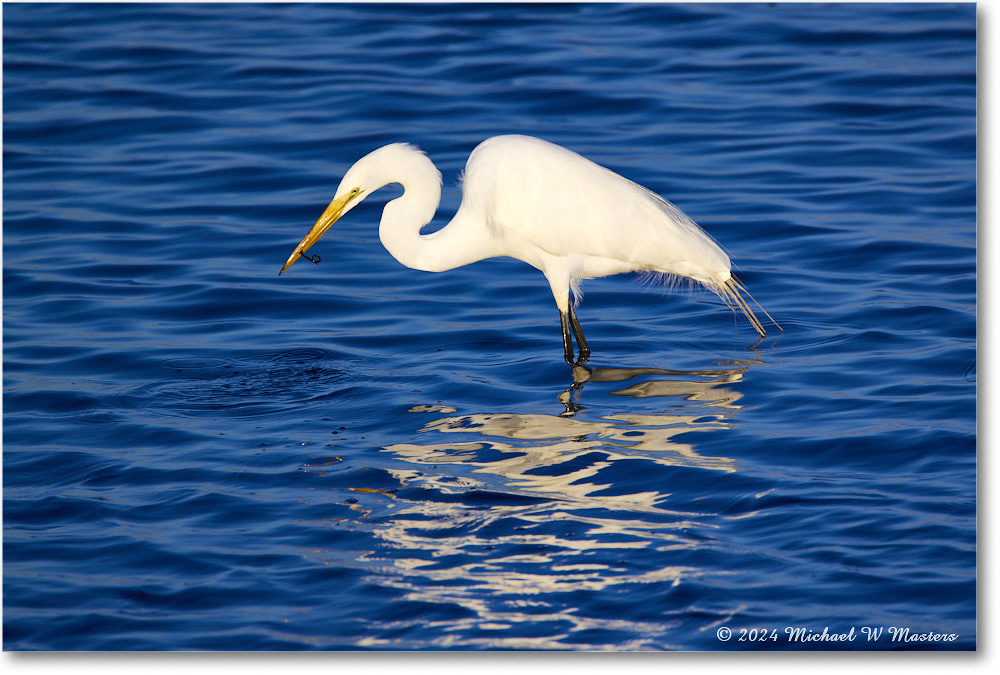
column 199, row 454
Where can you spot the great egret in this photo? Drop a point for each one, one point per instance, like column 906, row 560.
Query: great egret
column 538, row 202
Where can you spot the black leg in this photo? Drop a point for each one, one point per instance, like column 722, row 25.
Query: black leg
column 569, row 323
column 567, row 341
column 581, row 342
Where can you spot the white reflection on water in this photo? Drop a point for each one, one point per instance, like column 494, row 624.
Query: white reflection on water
column 527, row 449
column 522, row 515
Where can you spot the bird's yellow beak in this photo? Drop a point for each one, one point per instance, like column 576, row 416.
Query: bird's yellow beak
column 331, row 215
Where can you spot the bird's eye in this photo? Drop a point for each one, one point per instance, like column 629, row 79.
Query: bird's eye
column 355, row 191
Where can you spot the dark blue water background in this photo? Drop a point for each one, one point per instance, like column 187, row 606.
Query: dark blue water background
column 199, row 454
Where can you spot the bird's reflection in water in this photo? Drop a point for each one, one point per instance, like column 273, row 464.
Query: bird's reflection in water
column 706, row 386
column 507, row 517
column 528, row 449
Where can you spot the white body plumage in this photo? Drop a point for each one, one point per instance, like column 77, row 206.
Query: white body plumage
column 538, row 202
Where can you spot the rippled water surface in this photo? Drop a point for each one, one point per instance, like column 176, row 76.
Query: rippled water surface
column 199, row 454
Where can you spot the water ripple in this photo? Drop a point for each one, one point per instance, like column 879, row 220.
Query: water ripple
column 201, row 455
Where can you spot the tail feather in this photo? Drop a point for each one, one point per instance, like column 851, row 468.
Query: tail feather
column 732, row 294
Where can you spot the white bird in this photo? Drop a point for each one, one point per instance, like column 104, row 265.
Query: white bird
column 538, row 202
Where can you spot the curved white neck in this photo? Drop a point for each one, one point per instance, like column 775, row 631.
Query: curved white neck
column 462, row 241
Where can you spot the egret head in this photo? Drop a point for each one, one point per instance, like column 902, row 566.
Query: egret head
column 395, row 163
column 348, row 196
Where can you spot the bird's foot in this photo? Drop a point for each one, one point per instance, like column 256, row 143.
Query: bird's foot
column 579, row 361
